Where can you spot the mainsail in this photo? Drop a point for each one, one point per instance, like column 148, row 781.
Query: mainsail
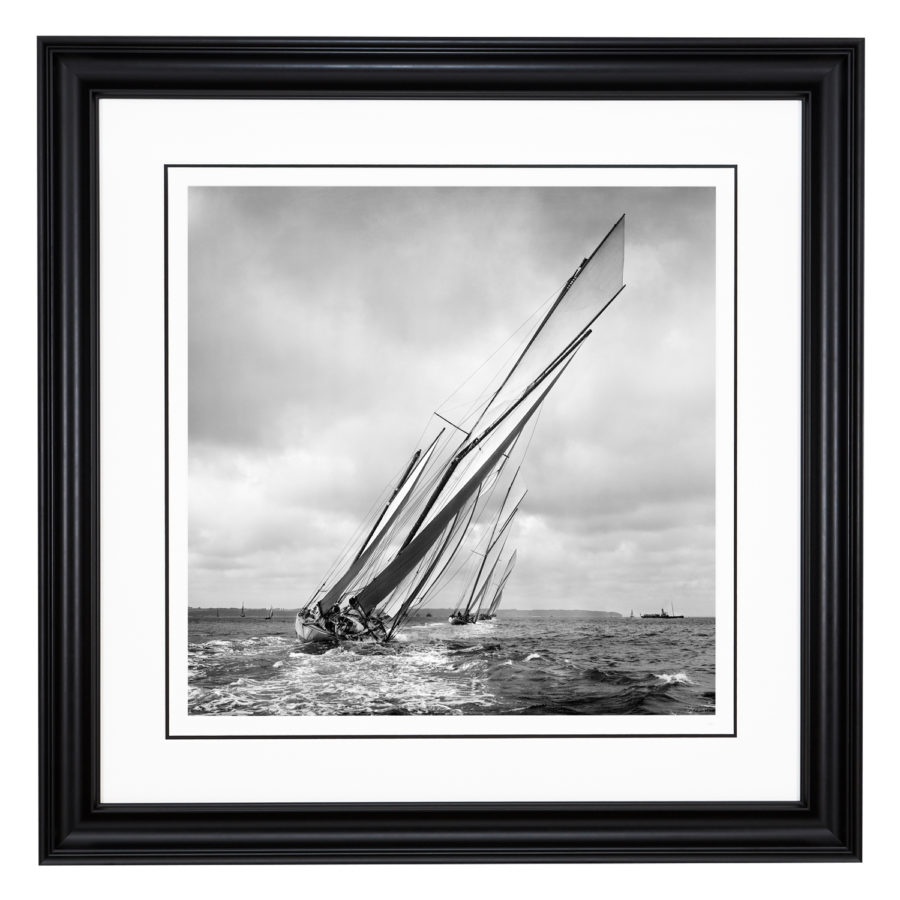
column 443, row 497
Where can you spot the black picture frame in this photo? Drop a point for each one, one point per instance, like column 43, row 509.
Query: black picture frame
column 826, row 75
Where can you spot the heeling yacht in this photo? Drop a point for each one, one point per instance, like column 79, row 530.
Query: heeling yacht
column 441, row 505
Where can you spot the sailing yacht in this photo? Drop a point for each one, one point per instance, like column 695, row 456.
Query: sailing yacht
column 444, row 505
column 497, row 595
column 468, row 608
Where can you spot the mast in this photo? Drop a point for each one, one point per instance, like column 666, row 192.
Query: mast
column 476, row 606
column 400, row 483
column 413, row 594
column 495, row 602
column 408, row 557
column 440, row 491
column 399, row 501
column 491, row 539
column 493, row 543
column 565, row 290
column 561, row 361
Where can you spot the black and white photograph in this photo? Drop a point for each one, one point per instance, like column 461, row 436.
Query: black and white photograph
column 451, row 450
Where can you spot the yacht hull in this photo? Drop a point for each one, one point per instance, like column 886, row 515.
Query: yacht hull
column 310, row 633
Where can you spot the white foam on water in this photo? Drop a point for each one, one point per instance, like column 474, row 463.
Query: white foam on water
column 678, row 678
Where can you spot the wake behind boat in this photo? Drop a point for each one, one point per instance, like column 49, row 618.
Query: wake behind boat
column 447, row 512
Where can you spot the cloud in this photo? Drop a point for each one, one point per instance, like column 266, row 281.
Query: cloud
column 326, row 324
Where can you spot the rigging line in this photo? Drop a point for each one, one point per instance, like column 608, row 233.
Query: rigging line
column 524, row 323
column 463, row 430
column 488, row 387
column 465, row 560
column 561, row 362
column 445, row 580
column 409, row 601
column 460, row 476
column 405, row 517
column 437, row 587
column 406, row 476
column 491, row 544
column 415, row 458
column 534, row 426
column 485, row 397
column 402, row 520
column 478, row 403
column 573, row 278
column 345, row 550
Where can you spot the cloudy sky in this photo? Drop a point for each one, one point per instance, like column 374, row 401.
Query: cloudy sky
column 326, row 325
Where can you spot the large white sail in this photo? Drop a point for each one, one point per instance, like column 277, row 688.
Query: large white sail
column 395, row 507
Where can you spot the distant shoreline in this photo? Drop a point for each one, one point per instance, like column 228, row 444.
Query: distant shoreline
column 261, row 612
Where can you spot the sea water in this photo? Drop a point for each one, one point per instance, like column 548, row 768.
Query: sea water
column 514, row 665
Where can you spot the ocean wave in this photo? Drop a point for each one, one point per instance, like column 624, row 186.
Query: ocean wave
column 678, row 678
column 554, row 667
column 604, row 676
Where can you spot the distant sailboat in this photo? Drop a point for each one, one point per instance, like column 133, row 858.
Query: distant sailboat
column 442, row 503
column 468, row 608
column 494, row 603
column 270, row 614
column 242, row 611
column 632, row 614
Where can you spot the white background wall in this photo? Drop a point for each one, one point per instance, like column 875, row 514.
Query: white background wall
column 18, row 514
